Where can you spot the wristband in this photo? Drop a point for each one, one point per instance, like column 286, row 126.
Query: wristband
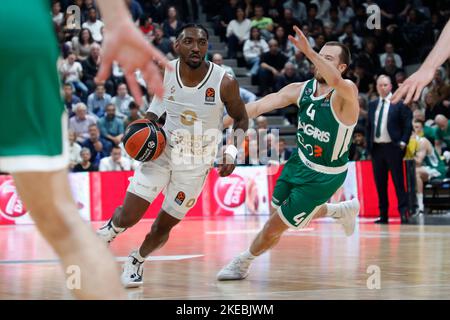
column 232, row 151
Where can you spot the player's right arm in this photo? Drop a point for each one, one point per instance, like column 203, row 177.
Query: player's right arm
column 285, row 97
column 412, row 87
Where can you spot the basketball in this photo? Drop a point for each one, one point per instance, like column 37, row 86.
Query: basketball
column 143, row 140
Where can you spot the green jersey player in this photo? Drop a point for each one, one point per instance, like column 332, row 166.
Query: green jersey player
column 32, row 128
column 328, row 112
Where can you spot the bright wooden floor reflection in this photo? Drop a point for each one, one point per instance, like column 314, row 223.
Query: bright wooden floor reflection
column 316, row 263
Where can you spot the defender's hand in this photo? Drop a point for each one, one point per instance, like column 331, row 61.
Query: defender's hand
column 301, row 42
column 124, row 43
column 413, row 86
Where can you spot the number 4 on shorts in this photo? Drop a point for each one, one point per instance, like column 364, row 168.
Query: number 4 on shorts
column 299, row 218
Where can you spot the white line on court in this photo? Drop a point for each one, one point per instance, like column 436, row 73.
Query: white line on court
column 120, row 259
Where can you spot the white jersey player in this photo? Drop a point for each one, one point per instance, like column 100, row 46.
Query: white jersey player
column 195, row 94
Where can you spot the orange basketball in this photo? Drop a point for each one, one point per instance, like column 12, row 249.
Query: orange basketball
column 144, row 140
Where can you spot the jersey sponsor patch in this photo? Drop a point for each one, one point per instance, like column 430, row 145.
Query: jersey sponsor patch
column 210, row 95
column 179, row 199
column 318, row 151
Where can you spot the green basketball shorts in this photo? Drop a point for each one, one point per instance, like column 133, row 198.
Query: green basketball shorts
column 300, row 191
column 32, row 118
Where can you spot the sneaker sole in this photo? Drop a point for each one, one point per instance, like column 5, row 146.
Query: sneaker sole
column 355, row 213
column 133, row 285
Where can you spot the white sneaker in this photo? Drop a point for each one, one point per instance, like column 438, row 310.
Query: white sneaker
column 237, row 269
column 108, row 233
column 132, row 272
column 349, row 212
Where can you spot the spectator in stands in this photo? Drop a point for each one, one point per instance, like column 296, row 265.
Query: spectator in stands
column 115, row 162
column 439, row 87
column 358, row 148
column 81, row 45
column 74, row 150
column 288, row 21
column 362, row 118
column 323, row 8
column 428, row 131
column 442, row 134
column 80, row 123
column 428, row 163
column 238, row 31
column 94, row 25
column 134, row 114
column 319, row 41
column 218, row 59
column 161, row 42
column 311, row 19
column 85, row 165
column 271, row 64
column 335, row 24
column 111, row 127
column 433, row 108
column 249, row 8
column 261, row 123
column 283, row 151
column 282, row 38
column 363, row 80
column 390, row 68
column 90, row 69
column 226, row 16
column 57, row 15
column 122, row 100
column 345, row 11
column 253, row 49
column 157, row 11
column 72, row 72
column 287, row 76
column 354, row 41
column 369, row 58
column 264, row 24
column 301, row 64
column 97, row 145
column 274, row 10
column 147, row 27
column 98, row 100
column 70, row 99
column 389, row 51
column 246, row 95
column 135, row 9
column 400, row 77
column 297, row 8
column 359, row 21
column 171, row 25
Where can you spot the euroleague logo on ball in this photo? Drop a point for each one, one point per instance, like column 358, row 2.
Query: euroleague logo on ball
column 11, row 207
column 230, row 191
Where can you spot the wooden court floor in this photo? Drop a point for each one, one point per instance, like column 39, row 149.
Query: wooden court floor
column 316, row 263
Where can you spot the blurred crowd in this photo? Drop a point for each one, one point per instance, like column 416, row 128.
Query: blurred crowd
column 255, row 33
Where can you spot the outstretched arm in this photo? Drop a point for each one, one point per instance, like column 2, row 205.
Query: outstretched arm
column 345, row 89
column 413, row 86
column 286, row 96
column 125, row 44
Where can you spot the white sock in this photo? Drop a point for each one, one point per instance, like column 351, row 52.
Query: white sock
column 246, row 255
column 117, row 229
column 333, row 210
column 139, row 257
column 420, row 201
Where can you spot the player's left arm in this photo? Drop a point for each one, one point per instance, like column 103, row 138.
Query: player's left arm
column 345, row 89
column 230, row 96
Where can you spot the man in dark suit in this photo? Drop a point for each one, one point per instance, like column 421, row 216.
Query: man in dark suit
column 388, row 131
column 285, row 152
